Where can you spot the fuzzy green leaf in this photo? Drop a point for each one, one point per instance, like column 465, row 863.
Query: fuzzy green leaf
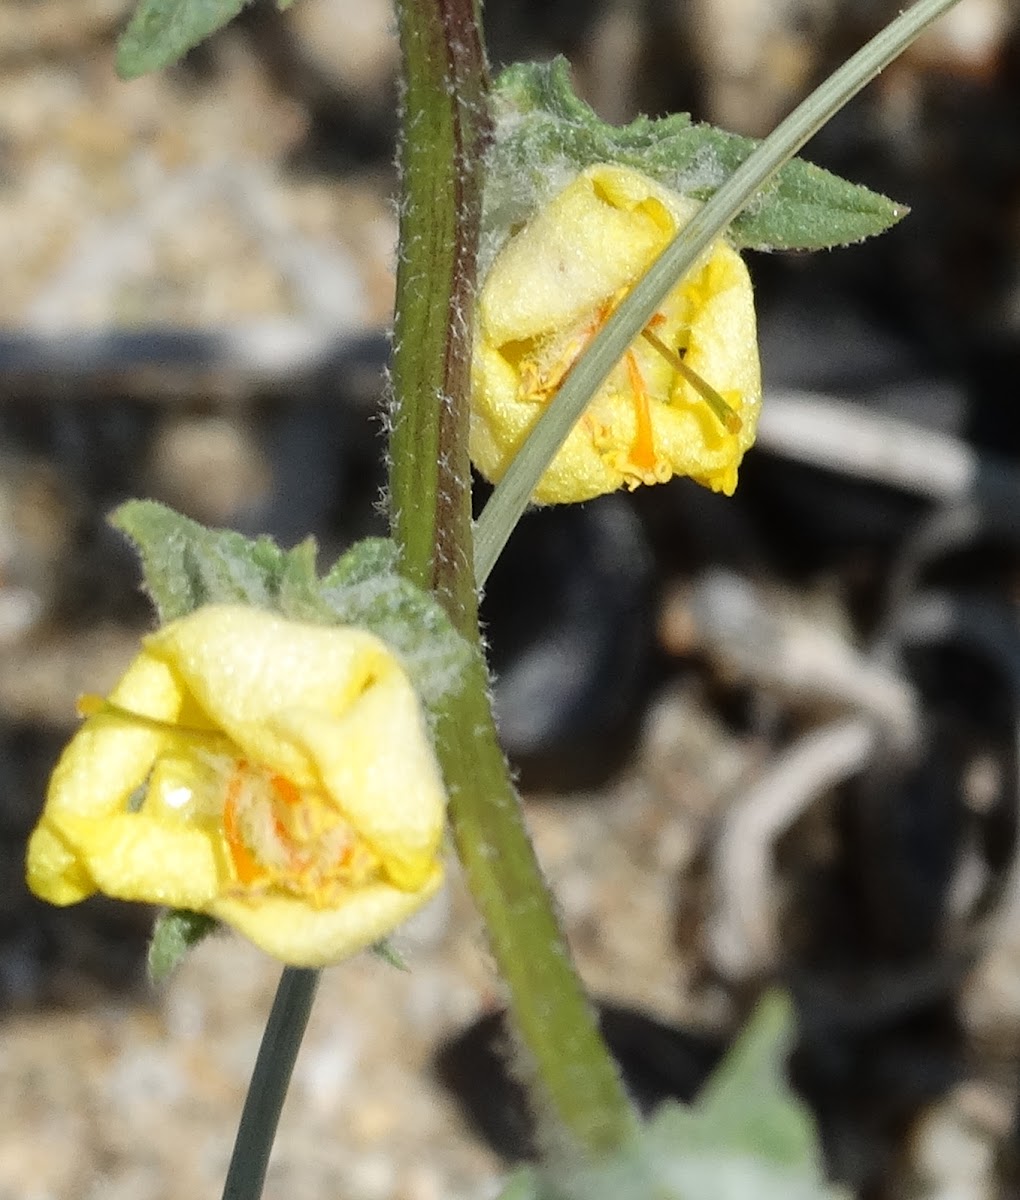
column 545, row 135
column 299, row 594
column 173, row 935
column 390, row 954
column 747, row 1102
column 185, row 565
column 162, row 31
column 366, row 588
column 747, row 1137
column 522, row 1185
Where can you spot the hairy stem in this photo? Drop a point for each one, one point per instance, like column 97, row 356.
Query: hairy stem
column 576, row 1087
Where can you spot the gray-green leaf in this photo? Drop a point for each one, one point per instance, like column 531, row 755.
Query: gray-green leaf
column 365, row 588
column 747, row 1137
column 162, row 31
column 390, row 954
column 173, row 935
column 185, row 565
column 545, row 135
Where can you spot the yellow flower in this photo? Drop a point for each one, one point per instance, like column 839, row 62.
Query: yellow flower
column 685, row 398
column 274, row 775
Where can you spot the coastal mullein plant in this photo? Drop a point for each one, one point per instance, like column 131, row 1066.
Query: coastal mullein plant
column 572, row 312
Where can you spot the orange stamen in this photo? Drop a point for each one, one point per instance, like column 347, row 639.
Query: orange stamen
column 286, row 793
column 246, row 868
column 297, row 863
column 642, row 451
column 536, row 384
column 286, row 790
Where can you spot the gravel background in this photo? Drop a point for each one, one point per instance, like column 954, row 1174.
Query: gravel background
column 244, row 198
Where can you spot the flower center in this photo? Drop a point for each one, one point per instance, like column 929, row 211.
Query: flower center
column 294, row 839
column 538, row 382
column 277, row 834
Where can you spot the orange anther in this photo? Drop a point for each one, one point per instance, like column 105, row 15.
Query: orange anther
column 285, row 790
column 642, row 451
column 246, row 868
column 277, row 838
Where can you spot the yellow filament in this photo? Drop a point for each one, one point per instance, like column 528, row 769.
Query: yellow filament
column 724, row 413
column 91, row 705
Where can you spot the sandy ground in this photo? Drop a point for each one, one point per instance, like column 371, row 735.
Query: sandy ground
column 170, row 201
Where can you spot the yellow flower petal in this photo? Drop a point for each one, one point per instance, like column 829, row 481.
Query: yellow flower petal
column 243, row 667
column 106, row 750
column 54, row 869
column 547, row 294
column 367, row 759
column 597, row 236
column 273, row 774
column 135, row 857
column 307, row 937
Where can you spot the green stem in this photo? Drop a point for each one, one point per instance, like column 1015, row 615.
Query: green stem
column 446, row 132
column 511, row 497
column 577, row 1090
column 267, row 1091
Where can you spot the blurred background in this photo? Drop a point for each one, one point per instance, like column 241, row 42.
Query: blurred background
column 766, row 739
